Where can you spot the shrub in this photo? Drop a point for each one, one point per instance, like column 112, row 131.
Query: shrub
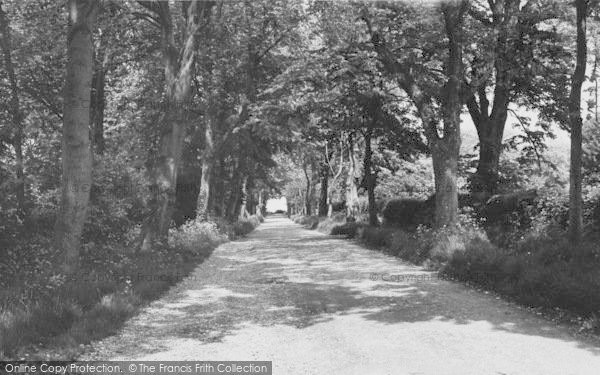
column 326, row 225
column 244, row 226
column 376, row 237
column 539, row 274
column 407, row 213
column 196, row 237
column 349, row 230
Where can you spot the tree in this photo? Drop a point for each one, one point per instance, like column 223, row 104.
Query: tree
column 76, row 153
column 445, row 147
column 575, row 174
column 178, row 72
column 506, row 56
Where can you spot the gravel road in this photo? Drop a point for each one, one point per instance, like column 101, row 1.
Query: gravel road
column 316, row 304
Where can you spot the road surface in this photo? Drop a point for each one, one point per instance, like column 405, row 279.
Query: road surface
column 316, row 304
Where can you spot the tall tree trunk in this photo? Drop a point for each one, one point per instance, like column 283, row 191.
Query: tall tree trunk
column 484, row 182
column 15, row 112
column 260, row 208
column 179, row 69
column 324, row 190
column 370, row 178
column 575, row 198
column 98, row 100
column 76, row 151
column 232, row 204
column 445, row 150
column 243, row 210
column 308, row 190
column 332, row 185
column 351, row 183
column 445, row 167
column 202, row 210
column 218, row 188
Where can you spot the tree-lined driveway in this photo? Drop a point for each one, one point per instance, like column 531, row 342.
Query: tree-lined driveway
column 316, row 304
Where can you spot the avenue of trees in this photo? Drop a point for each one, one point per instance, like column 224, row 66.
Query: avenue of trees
column 123, row 122
column 401, row 79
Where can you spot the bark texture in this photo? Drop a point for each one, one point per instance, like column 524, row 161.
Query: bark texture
column 178, row 70
column 352, row 208
column 203, row 208
column 324, row 190
column 575, row 197
column 370, row 180
column 76, row 151
column 445, row 149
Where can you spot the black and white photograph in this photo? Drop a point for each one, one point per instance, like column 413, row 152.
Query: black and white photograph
column 299, row 187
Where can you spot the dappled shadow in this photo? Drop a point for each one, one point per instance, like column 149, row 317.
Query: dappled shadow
column 286, row 281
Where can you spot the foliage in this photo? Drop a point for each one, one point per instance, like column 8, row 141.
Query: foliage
column 196, row 237
column 244, row 226
column 539, row 275
column 407, row 213
column 37, row 306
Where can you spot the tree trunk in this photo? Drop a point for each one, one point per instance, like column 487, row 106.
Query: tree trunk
column 232, row 204
column 308, row 191
column 15, row 112
column 218, row 188
column 260, row 208
column 370, row 178
column 490, row 127
column 179, row 69
column 98, row 99
column 351, row 184
column 484, row 182
column 324, row 190
column 445, row 150
column 202, row 211
column 76, row 151
column 244, row 199
column 575, row 196
column 445, row 169
column 331, row 186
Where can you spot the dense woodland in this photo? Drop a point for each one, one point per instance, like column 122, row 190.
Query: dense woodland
column 138, row 135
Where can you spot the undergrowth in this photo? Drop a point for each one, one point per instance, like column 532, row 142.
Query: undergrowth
column 41, row 308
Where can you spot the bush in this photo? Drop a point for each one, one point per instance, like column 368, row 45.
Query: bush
column 326, row 225
column 539, row 274
column 309, row 222
column 349, row 230
column 244, row 226
column 196, row 237
column 376, row 237
column 408, row 213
